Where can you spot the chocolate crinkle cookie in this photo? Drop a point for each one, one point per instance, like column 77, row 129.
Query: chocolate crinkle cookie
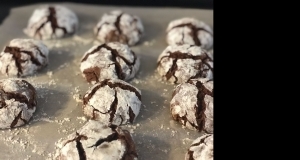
column 178, row 64
column 118, row 26
column 202, row 148
column 112, row 101
column 192, row 104
column 109, row 60
column 17, row 102
column 51, row 22
column 23, row 57
column 189, row 31
column 97, row 141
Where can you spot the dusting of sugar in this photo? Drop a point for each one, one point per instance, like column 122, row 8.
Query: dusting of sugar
column 84, row 41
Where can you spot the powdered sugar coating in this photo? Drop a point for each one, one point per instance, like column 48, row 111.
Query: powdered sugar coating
column 23, row 57
column 51, row 22
column 192, row 104
column 202, row 148
column 17, row 102
column 189, row 30
column 109, row 60
column 97, row 141
column 178, row 64
column 119, row 26
column 112, row 101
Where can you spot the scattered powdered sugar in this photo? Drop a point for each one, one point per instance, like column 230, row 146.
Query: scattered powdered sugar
column 81, row 40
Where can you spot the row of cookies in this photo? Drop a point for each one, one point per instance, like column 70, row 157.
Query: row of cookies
column 122, row 65
column 52, row 22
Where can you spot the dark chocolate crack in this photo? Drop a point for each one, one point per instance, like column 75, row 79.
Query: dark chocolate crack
column 17, row 118
column 114, row 55
column 131, row 115
column 190, row 153
column 6, row 71
column 31, row 102
column 94, row 116
column 2, row 104
column 113, row 108
column 113, row 127
column 92, row 74
column 17, row 56
column 194, row 32
column 14, row 95
column 53, row 21
column 114, row 136
column 201, row 106
column 33, row 59
column 201, row 141
column 122, row 86
column 185, row 120
column 114, row 104
column 179, row 55
column 130, row 152
column 117, row 24
column 40, row 52
column 80, row 149
column 202, row 71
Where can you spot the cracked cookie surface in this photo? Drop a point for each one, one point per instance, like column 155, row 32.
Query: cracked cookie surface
column 23, row 57
column 192, row 104
column 17, row 102
column 178, row 64
column 201, row 148
column 118, row 26
column 109, row 60
column 112, row 101
column 189, row 31
column 97, row 141
column 51, row 22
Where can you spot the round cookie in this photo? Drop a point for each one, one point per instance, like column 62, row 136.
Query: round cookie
column 112, row 101
column 17, row 102
column 118, row 26
column 178, row 64
column 189, row 31
column 23, row 57
column 97, row 141
column 51, row 22
column 109, row 60
column 202, row 148
column 192, row 104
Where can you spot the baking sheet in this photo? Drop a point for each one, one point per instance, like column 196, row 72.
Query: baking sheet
column 58, row 85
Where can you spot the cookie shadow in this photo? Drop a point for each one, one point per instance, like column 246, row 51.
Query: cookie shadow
column 49, row 102
column 150, row 147
column 89, row 23
column 152, row 31
column 57, row 57
column 151, row 104
column 147, row 67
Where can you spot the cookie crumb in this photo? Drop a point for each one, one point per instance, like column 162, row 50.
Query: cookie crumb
column 50, row 73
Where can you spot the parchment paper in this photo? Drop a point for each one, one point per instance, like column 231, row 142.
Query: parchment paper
column 156, row 135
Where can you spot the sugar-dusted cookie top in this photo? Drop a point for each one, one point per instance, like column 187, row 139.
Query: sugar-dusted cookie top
column 178, row 64
column 96, row 140
column 109, row 60
column 51, row 22
column 17, row 102
column 23, row 57
column 189, row 30
column 118, row 26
